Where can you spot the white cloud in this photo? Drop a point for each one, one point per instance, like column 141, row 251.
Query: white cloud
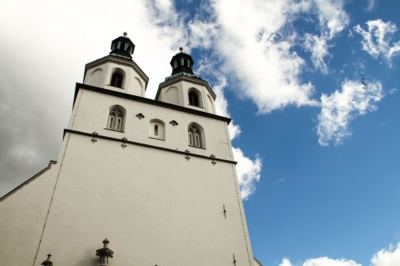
column 323, row 261
column 340, row 107
column 370, row 5
column 387, row 257
column 285, row 262
column 377, row 39
column 264, row 67
column 332, row 20
column 248, row 172
column 257, row 54
column 318, row 47
column 222, row 106
column 384, row 257
column 279, row 180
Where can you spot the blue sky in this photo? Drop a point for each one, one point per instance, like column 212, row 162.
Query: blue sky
column 319, row 155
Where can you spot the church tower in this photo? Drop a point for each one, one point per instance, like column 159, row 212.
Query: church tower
column 157, row 178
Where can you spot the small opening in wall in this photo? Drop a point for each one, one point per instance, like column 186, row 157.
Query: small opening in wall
column 155, row 130
column 193, row 99
column 111, row 125
column 116, row 80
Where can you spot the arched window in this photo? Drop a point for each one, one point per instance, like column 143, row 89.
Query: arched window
column 193, row 99
column 116, row 80
column 116, row 119
column 195, row 136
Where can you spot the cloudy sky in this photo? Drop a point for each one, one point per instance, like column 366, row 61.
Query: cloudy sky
column 318, row 150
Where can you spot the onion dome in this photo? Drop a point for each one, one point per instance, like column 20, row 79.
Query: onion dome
column 122, row 47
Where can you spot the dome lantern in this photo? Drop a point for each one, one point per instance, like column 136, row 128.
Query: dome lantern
column 122, row 47
column 182, row 62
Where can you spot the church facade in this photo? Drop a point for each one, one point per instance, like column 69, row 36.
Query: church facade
column 157, row 178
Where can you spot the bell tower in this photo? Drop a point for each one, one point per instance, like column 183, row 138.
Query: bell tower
column 117, row 71
column 156, row 178
column 184, row 88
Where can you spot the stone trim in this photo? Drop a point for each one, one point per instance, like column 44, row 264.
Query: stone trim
column 147, row 145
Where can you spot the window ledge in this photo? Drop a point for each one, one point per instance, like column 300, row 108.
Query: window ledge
column 116, row 87
column 114, row 130
column 156, row 138
column 191, row 105
column 197, row 147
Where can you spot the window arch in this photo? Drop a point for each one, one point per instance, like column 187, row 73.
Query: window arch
column 116, row 118
column 157, row 129
column 116, row 79
column 196, row 136
column 194, row 98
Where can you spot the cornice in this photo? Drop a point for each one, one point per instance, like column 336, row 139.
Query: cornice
column 126, row 141
column 147, row 100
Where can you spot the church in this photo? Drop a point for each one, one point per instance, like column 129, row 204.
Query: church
column 137, row 181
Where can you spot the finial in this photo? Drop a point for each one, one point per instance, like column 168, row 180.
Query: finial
column 104, row 253
column 181, row 49
column 47, row 262
column 125, row 34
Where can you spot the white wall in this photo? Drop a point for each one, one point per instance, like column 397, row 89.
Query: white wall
column 93, row 112
column 206, row 100
column 100, row 74
column 22, row 217
column 154, row 206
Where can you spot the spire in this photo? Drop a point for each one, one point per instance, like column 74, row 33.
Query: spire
column 122, row 47
column 182, row 63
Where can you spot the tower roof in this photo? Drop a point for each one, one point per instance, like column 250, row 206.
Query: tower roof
column 182, row 62
column 122, row 47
